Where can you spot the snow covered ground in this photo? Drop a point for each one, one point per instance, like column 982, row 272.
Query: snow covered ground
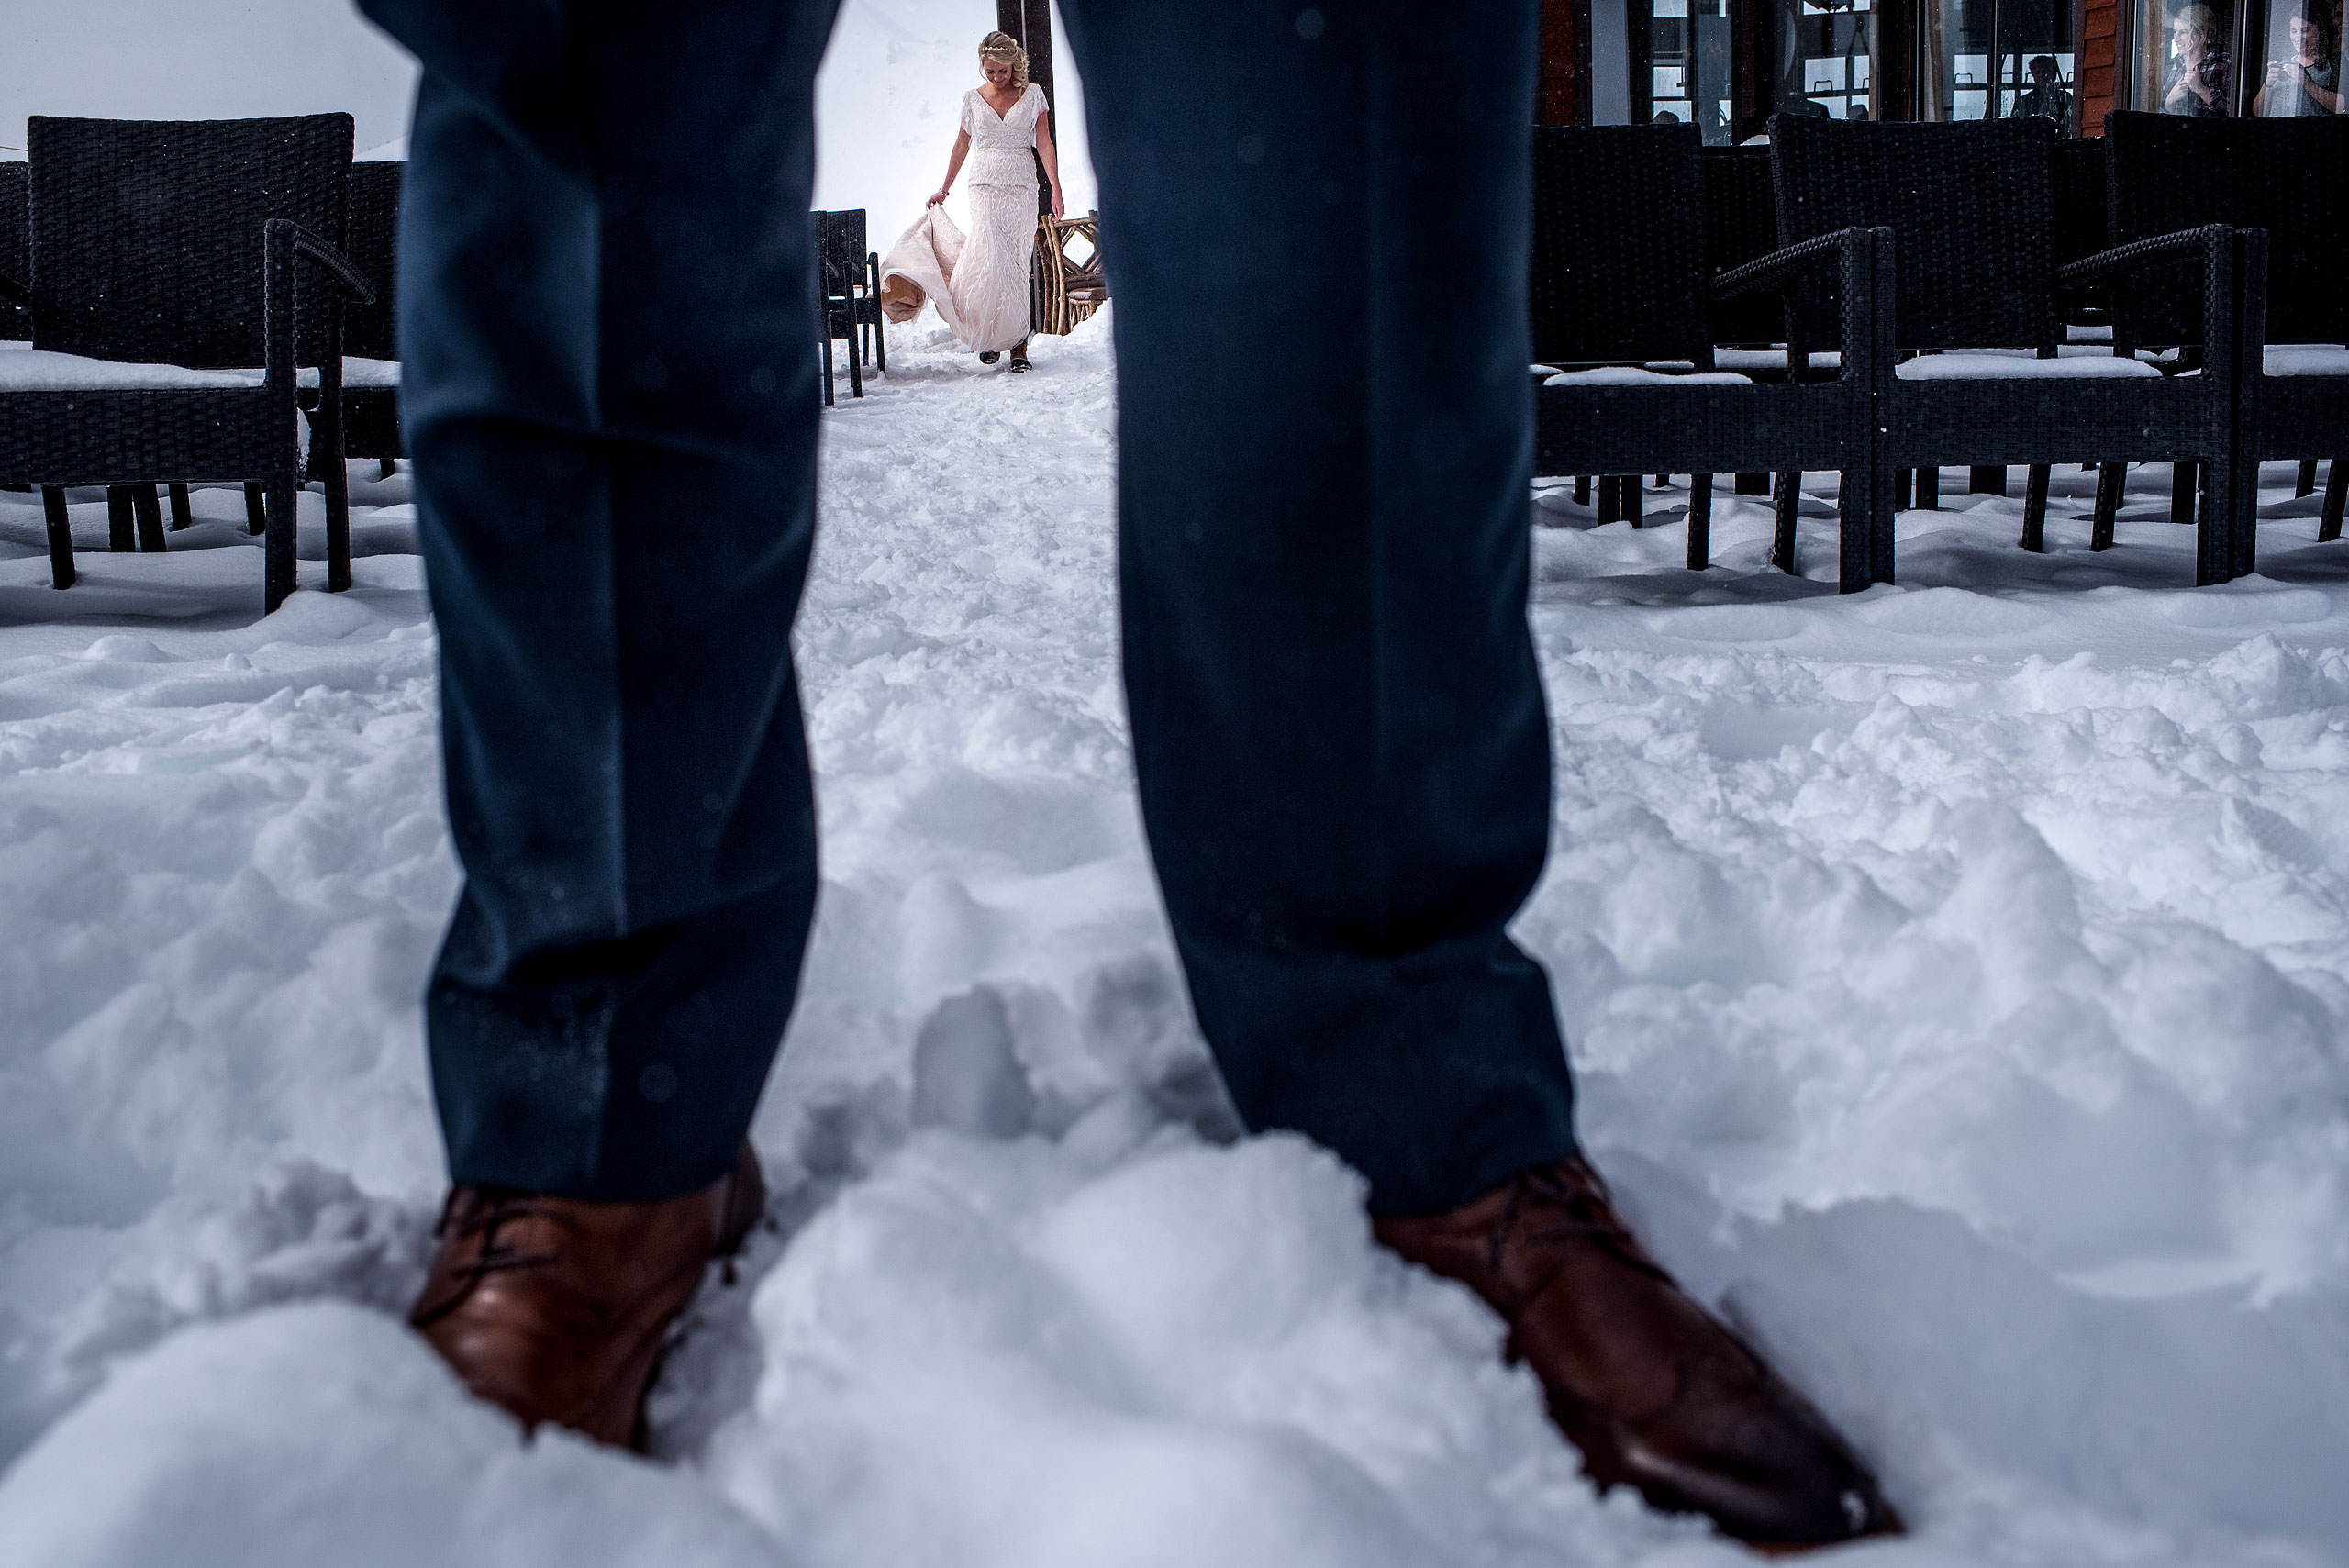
column 1957, row 974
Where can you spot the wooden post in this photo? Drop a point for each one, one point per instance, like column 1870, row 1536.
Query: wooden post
column 1753, row 89
column 1563, row 96
column 1030, row 22
column 1896, row 59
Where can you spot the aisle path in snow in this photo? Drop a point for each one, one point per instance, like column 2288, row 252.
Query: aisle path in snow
column 1957, row 976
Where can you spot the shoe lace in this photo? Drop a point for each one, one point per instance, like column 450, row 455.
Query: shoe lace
column 1574, row 1207
column 484, row 1217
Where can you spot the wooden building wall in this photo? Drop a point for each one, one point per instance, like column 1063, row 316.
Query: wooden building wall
column 1562, row 96
column 2097, row 73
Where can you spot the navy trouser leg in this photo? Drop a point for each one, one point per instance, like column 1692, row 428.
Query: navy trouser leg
column 1315, row 225
column 606, row 330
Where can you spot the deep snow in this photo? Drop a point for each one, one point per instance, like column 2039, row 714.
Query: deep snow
column 1956, row 973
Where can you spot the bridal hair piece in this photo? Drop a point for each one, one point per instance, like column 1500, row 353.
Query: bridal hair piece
column 1003, row 47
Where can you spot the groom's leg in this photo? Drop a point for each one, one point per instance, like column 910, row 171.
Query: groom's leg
column 1315, row 224
column 607, row 316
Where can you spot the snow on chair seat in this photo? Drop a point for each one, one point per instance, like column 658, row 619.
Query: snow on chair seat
column 2307, row 359
column 27, row 369
column 45, row 370
column 1772, row 361
column 1994, row 364
column 1634, row 375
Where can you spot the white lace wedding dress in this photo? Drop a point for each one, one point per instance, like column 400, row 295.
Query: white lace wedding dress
column 979, row 285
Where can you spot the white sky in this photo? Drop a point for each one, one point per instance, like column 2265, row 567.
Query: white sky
column 886, row 96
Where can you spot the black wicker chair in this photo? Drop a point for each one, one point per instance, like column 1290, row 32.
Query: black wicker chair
column 371, row 412
column 15, row 321
column 2291, row 178
column 1742, row 226
column 178, row 248
column 1618, row 288
column 1930, row 184
column 850, row 279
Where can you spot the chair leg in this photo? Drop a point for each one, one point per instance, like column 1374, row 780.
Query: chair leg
column 1664, row 482
column 338, row 527
column 2305, row 484
column 121, row 529
column 1855, row 531
column 327, row 435
column 1928, row 490
column 2034, row 509
column 1753, row 485
column 149, row 512
column 182, row 515
column 2108, row 480
column 855, row 370
column 279, row 573
column 2224, row 544
column 1632, row 499
column 1904, row 486
column 1582, row 489
column 1700, row 521
column 1882, row 518
column 2182, row 477
column 2234, row 497
column 385, row 468
column 61, row 537
column 1985, row 479
column 827, row 370
column 256, row 509
column 1782, row 541
column 2336, row 491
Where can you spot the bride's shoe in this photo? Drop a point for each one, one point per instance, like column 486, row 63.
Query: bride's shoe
column 1019, row 362
column 989, row 357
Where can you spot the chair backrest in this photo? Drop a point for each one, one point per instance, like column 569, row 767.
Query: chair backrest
column 1066, row 288
column 2080, row 202
column 2289, row 176
column 1619, row 244
column 147, row 234
column 1741, row 226
column 1970, row 205
column 372, row 331
column 840, row 250
column 15, row 321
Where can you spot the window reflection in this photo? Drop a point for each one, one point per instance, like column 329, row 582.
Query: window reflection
column 1827, row 58
column 2301, row 52
column 1997, row 60
column 1688, row 52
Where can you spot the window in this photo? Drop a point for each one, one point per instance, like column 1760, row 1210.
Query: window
column 1827, row 58
column 1997, row 60
column 2294, row 64
column 1689, row 60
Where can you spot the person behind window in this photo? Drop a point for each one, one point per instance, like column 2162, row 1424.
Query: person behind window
column 2046, row 96
column 2306, row 83
column 1665, row 116
column 2196, row 82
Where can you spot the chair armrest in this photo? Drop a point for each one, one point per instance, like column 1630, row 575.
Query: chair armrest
column 1772, row 271
column 283, row 243
column 336, row 264
column 2215, row 246
column 14, row 293
column 2128, row 258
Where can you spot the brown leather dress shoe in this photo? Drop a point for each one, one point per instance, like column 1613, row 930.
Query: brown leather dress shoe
column 1652, row 1389
column 557, row 1310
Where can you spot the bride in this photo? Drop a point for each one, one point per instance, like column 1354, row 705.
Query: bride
column 980, row 285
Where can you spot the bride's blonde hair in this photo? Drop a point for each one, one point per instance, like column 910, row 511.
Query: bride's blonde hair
column 1003, row 47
